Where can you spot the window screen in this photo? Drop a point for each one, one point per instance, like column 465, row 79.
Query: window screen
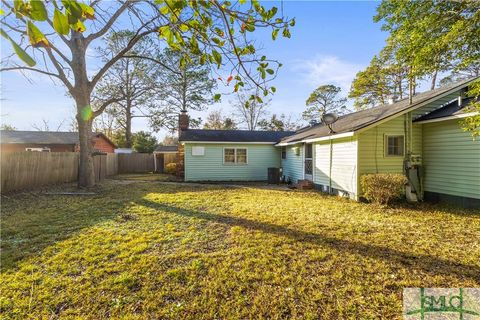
column 284, row 152
column 229, row 155
column 395, row 145
column 241, row 156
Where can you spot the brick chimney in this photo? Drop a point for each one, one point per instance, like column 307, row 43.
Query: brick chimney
column 183, row 121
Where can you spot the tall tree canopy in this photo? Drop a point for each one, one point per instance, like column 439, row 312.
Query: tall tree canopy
column 324, row 99
column 428, row 37
column 187, row 87
column 60, row 33
column 130, row 85
column 382, row 80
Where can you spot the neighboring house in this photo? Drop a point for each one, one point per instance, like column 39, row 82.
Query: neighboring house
column 46, row 141
column 164, row 155
column 443, row 161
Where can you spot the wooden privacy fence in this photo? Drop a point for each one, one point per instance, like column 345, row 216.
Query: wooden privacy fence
column 135, row 163
column 112, row 164
column 28, row 170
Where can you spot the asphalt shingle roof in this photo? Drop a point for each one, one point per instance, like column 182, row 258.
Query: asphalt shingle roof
column 40, row 137
column 233, row 135
column 166, row 149
column 361, row 119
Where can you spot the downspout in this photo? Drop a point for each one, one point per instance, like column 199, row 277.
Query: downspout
column 330, row 168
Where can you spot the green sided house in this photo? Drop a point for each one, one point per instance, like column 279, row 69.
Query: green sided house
column 421, row 139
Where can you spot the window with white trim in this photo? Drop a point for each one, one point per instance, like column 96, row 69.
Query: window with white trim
column 235, row 156
column 394, row 146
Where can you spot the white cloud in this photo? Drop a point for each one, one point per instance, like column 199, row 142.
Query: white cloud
column 324, row 69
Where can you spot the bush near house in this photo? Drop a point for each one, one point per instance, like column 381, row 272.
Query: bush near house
column 171, row 168
column 382, row 188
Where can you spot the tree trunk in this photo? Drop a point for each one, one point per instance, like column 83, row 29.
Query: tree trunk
column 434, row 80
column 81, row 92
column 86, row 172
column 128, row 125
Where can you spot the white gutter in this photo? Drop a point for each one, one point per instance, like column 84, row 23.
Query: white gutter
column 284, row 144
column 459, row 116
column 326, row 138
column 226, row 142
column 331, row 137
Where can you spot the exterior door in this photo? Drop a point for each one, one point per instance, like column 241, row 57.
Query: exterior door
column 308, row 161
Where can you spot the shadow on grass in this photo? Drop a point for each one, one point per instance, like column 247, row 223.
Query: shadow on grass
column 427, row 263
column 31, row 223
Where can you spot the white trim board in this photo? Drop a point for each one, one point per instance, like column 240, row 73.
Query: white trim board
column 331, row 137
column 285, row 144
column 226, row 142
column 459, row 116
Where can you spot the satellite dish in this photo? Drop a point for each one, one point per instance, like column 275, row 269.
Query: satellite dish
column 329, row 118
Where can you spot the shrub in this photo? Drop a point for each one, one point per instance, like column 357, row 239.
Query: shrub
column 382, row 188
column 171, row 168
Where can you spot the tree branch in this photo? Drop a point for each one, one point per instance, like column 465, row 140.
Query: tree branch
column 119, row 55
column 154, row 60
column 59, row 68
column 31, row 69
column 105, row 104
column 109, row 23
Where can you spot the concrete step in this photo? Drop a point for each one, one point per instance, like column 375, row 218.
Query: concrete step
column 304, row 184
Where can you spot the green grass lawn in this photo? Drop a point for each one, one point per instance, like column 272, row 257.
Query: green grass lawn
column 147, row 250
column 146, row 177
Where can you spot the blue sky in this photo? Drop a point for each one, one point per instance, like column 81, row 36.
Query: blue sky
column 330, row 43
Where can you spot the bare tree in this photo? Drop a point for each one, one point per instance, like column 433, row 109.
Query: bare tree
column 249, row 110
column 217, row 121
column 45, row 126
column 280, row 123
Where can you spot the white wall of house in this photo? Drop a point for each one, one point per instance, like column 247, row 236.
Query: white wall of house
column 343, row 165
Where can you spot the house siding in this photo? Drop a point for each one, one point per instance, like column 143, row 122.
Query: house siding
column 371, row 147
column 451, row 160
column 293, row 164
column 210, row 166
column 344, row 165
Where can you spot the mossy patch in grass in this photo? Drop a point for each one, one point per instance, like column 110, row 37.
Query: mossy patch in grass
column 149, row 250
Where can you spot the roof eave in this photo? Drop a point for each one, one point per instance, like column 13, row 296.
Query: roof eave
column 452, row 117
column 415, row 106
column 229, row 142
